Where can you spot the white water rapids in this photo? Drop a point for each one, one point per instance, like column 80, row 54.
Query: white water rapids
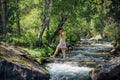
column 66, row 71
column 63, row 71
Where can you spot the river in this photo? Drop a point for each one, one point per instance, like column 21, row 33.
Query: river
column 83, row 59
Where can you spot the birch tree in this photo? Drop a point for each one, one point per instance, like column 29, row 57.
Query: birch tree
column 46, row 19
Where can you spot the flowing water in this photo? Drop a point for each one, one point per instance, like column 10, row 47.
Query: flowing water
column 74, row 70
column 63, row 71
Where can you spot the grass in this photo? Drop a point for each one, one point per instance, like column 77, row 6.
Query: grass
column 37, row 52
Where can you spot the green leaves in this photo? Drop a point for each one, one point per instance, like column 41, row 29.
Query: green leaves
column 84, row 17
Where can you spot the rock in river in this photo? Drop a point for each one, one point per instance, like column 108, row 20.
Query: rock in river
column 14, row 65
column 108, row 71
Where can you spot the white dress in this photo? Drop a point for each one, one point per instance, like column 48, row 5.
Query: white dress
column 62, row 43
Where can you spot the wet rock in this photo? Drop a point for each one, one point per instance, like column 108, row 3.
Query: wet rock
column 11, row 71
column 69, row 47
column 108, row 71
column 87, row 64
column 91, row 64
column 83, row 42
column 114, row 53
column 105, row 50
column 96, row 54
column 15, row 65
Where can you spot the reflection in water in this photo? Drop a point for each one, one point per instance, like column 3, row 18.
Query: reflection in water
column 68, row 72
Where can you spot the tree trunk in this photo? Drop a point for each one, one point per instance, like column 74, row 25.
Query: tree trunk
column 46, row 19
column 42, row 29
column 17, row 18
column 60, row 25
column 3, row 8
column 118, row 33
column 115, row 34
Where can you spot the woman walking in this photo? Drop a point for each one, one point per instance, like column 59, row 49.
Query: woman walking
column 62, row 44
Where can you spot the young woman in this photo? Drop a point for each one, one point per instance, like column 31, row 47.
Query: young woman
column 62, row 44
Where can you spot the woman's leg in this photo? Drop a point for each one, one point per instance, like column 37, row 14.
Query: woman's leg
column 64, row 54
column 56, row 52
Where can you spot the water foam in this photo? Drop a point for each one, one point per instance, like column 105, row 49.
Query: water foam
column 68, row 72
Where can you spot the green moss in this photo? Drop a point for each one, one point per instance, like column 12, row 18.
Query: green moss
column 91, row 64
column 39, row 60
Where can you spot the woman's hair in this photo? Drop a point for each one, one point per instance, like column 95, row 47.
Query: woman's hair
column 60, row 30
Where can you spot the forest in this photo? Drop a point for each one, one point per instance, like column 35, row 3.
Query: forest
column 34, row 23
column 29, row 36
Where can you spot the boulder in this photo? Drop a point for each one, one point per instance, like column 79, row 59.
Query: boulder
column 11, row 71
column 15, row 65
column 114, row 53
column 107, row 71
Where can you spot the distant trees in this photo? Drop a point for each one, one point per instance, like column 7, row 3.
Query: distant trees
column 3, row 17
column 37, row 21
column 114, row 14
column 8, row 16
column 18, row 18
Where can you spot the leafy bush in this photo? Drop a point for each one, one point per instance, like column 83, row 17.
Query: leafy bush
column 37, row 52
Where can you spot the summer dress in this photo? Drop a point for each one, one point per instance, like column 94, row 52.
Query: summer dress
column 62, row 43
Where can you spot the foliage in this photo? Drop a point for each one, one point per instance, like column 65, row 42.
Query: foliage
column 37, row 52
column 114, row 13
column 110, row 32
column 85, row 19
column 118, row 47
